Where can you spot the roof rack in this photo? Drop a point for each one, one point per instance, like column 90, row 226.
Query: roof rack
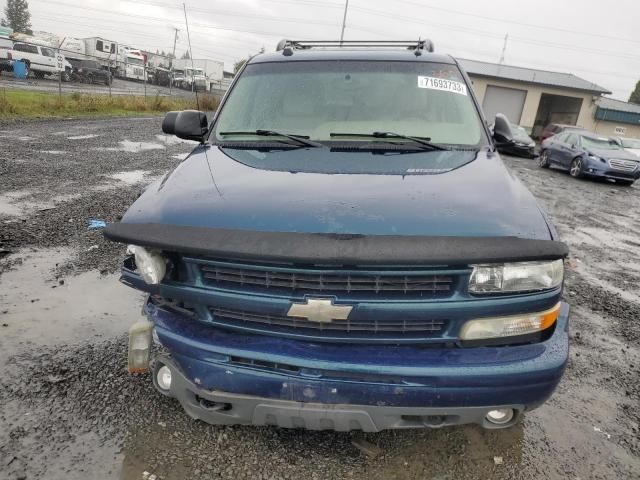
column 288, row 46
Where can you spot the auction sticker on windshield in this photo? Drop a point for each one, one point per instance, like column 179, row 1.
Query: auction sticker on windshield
column 442, row 84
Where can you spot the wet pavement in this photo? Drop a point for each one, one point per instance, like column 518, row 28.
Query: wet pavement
column 69, row 410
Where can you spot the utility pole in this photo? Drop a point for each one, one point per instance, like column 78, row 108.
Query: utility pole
column 175, row 39
column 344, row 20
column 504, row 49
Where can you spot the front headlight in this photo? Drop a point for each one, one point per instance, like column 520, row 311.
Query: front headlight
column 516, row 277
column 511, row 326
column 150, row 264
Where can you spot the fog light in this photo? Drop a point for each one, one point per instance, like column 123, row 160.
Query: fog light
column 500, row 416
column 163, row 378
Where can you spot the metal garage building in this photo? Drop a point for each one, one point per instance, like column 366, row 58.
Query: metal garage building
column 534, row 98
column 613, row 117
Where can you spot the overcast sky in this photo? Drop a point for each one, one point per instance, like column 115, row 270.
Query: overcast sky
column 594, row 40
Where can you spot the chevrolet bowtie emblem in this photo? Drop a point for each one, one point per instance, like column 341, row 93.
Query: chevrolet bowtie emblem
column 321, row 310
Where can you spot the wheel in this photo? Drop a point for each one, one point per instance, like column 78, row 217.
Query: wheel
column 66, row 76
column 90, row 78
column 39, row 75
column 625, row 183
column 576, row 168
column 543, row 159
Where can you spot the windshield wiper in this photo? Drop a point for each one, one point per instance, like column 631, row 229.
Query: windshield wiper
column 419, row 140
column 301, row 139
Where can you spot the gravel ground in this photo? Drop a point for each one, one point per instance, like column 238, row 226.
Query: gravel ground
column 70, row 411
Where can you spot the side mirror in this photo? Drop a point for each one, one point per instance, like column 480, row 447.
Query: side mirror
column 186, row 124
column 502, row 133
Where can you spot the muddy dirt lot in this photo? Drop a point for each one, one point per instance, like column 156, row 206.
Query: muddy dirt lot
column 68, row 409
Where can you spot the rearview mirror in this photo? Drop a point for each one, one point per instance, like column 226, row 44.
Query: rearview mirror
column 502, row 133
column 186, row 124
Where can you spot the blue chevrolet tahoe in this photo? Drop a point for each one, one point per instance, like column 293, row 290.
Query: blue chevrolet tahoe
column 345, row 250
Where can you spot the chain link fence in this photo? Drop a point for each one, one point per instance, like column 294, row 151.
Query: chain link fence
column 104, row 68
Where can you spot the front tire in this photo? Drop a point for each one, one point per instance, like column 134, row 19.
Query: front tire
column 625, row 183
column 576, row 168
column 543, row 160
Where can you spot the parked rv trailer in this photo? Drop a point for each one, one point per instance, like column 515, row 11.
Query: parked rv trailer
column 74, row 49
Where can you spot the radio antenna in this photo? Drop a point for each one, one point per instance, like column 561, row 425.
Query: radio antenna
column 193, row 68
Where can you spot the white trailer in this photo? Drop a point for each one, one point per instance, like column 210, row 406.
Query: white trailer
column 74, row 48
column 101, row 49
column 211, row 70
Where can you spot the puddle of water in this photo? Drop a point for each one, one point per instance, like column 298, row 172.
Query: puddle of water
column 83, row 137
column 40, row 311
column 131, row 147
column 12, row 203
column 53, row 152
column 131, row 177
column 173, row 140
column 25, row 139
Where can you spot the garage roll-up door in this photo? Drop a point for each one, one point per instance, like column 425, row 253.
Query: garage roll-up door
column 508, row 101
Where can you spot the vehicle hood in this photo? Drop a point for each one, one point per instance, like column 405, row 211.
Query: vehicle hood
column 335, row 194
column 634, row 151
column 608, row 154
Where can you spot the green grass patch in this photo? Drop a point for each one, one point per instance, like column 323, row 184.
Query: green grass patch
column 29, row 104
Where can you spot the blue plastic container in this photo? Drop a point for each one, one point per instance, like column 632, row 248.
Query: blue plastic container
column 20, row 69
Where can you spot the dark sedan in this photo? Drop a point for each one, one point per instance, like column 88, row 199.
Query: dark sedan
column 515, row 141
column 91, row 71
column 585, row 154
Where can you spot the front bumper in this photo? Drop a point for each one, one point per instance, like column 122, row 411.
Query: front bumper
column 597, row 169
column 519, row 150
column 268, row 380
column 224, row 408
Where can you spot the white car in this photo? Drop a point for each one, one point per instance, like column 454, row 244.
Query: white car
column 631, row 145
column 40, row 60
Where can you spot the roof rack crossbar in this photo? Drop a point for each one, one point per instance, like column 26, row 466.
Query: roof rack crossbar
column 307, row 44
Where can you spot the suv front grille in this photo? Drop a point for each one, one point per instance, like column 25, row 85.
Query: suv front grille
column 321, row 281
column 623, row 165
column 370, row 327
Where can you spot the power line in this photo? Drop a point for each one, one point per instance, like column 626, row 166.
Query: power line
column 138, row 34
column 514, row 22
column 381, row 33
column 215, row 12
column 493, row 35
column 256, row 32
column 294, row 2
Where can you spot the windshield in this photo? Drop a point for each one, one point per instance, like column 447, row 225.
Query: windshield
column 318, row 98
column 600, row 143
column 135, row 61
column 630, row 143
column 519, row 133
